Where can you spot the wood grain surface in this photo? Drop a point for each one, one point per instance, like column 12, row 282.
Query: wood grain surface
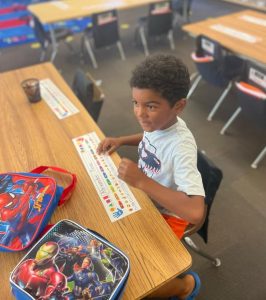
column 254, row 51
column 50, row 12
column 31, row 135
column 256, row 4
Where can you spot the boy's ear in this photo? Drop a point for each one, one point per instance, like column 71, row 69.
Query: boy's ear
column 180, row 105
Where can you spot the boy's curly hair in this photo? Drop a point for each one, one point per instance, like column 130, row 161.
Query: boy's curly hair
column 165, row 74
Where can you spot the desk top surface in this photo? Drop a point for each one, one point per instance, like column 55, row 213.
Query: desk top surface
column 256, row 4
column 32, row 135
column 243, row 33
column 55, row 11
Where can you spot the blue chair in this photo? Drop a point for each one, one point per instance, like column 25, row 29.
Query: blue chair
column 182, row 8
column 251, row 95
column 89, row 94
column 159, row 22
column 45, row 39
column 104, row 32
column 215, row 65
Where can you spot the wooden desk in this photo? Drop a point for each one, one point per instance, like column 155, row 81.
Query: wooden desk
column 237, row 21
column 55, row 11
column 256, row 4
column 31, row 135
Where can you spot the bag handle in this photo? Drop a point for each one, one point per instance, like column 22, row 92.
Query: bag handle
column 68, row 190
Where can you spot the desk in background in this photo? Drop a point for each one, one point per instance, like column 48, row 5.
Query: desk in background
column 56, row 11
column 31, row 135
column 256, row 4
column 251, row 42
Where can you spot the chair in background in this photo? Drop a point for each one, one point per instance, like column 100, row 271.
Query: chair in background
column 251, row 94
column 211, row 177
column 216, row 66
column 182, row 8
column 104, row 32
column 45, row 38
column 89, row 94
column 159, row 22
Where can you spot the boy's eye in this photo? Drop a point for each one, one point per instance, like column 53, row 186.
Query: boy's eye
column 151, row 107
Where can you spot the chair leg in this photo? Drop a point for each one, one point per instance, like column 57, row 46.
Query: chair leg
column 144, row 41
column 215, row 260
column 231, row 120
column 261, row 155
column 90, row 52
column 53, row 55
column 219, row 102
column 194, row 85
column 53, row 42
column 171, row 39
column 121, row 50
column 43, row 54
column 44, row 50
column 186, row 10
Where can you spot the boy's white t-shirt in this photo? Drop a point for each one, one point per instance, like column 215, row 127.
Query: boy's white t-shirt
column 170, row 157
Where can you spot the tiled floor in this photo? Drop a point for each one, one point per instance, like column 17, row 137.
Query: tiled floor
column 238, row 216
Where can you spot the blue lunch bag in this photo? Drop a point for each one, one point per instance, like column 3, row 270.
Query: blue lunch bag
column 71, row 262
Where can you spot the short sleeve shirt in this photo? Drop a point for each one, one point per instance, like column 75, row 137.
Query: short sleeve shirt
column 170, row 157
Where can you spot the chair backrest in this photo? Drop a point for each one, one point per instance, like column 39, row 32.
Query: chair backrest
column 211, row 178
column 255, row 75
column 160, row 18
column 105, row 29
column 207, row 46
column 86, row 91
column 40, row 34
column 251, row 93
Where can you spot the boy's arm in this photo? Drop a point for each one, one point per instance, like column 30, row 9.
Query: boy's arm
column 110, row 144
column 189, row 208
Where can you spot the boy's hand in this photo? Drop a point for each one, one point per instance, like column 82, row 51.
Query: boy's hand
column 130, row 173
column 108, row 145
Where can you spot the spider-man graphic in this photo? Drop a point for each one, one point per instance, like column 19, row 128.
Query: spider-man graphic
column 17, row 213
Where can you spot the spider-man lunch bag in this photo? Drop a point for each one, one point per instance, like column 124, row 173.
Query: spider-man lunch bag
column 71, row 262
column 27, row 201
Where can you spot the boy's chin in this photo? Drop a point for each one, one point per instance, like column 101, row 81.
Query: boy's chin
column 147, row 128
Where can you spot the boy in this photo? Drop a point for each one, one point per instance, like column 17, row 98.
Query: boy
column 167, row 167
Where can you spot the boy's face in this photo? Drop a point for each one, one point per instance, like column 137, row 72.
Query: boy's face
column 154, row 112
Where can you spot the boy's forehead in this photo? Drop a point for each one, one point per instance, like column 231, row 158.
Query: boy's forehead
column 146, row 94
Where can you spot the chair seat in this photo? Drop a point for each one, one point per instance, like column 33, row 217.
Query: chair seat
column 251, row 90
column 62, row 33
column 142, row 21
column 201, row 59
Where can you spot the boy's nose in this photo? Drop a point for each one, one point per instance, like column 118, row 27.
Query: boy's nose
column 140, row 112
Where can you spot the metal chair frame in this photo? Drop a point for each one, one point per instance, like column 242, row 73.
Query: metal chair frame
column 147, row 25
column 206, row 46
column 211, row 177
column 97, row 33
column 245, row 77
column 52, row 37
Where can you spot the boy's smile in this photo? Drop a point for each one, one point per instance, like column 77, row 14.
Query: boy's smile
column 154, row 112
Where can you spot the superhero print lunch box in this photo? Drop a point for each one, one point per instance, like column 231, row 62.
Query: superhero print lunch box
column 71, row 262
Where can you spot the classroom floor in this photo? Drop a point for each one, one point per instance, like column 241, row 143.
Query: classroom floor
column 238, row 215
